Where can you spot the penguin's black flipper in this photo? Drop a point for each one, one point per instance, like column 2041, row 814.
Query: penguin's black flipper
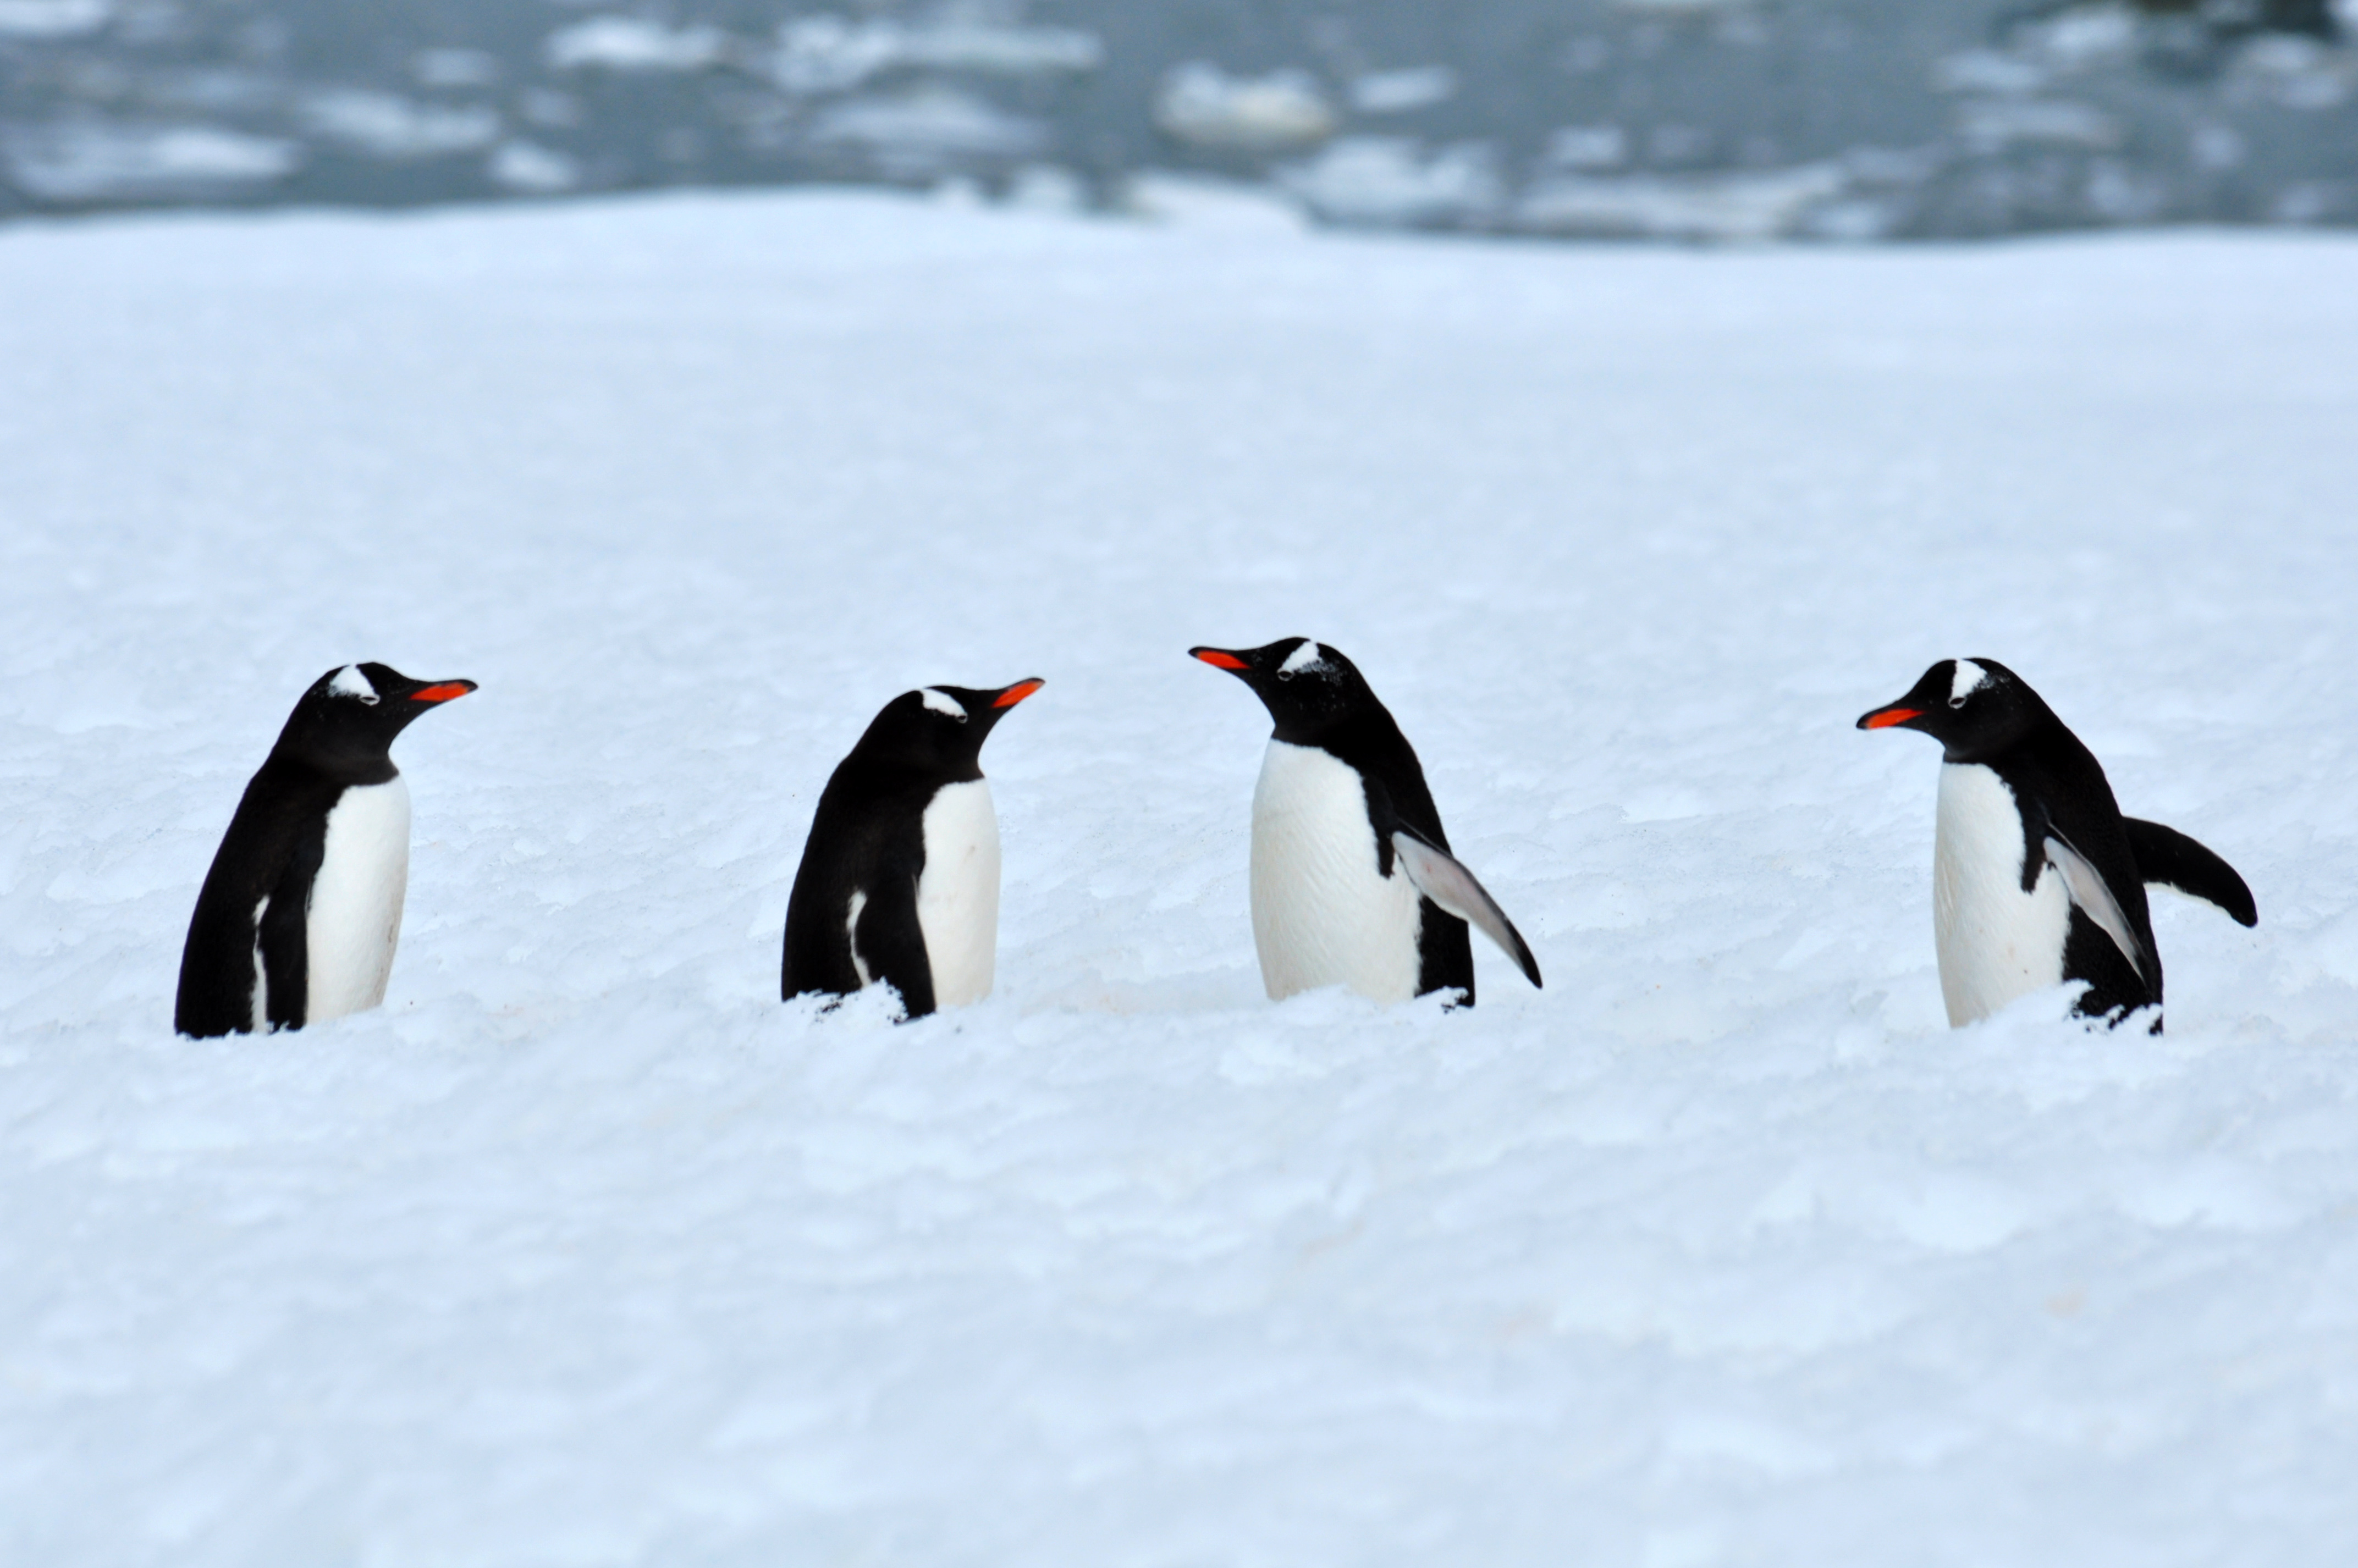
column 1440, row 876
column 2165, row 855
column 888, row 940
column 282, row 937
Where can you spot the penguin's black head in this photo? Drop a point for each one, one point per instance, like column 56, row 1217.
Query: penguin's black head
column 346, row 723
column 1305, row 685
column 1974, row 708
column 941, row 728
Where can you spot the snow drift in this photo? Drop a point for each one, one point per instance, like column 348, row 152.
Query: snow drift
column 1722, row 1250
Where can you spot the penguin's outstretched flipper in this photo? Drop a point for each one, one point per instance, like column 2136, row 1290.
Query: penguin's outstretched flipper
column 1439, row 876
column 2165, row 855
column 2088, row 890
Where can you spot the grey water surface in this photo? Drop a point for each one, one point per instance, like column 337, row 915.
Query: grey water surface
column 1707, row 120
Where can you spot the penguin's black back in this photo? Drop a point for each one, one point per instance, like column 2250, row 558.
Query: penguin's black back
column 866, row 836
column 338, row 737
column 2059, row 785
column 273, row 850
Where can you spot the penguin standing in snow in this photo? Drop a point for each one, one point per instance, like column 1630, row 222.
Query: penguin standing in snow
column 900, row 879
column 2021, row 797
column 1353, row 883
column 299, row 915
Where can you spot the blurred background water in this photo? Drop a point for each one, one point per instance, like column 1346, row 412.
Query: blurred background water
column 1693, row 119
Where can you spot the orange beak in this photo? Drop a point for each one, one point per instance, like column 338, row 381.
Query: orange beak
column 1884, row 719
column 1218, row 659
column 1017, row 693
column 442, row 693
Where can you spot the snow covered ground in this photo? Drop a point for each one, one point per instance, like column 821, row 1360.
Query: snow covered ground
column 1721, row 1250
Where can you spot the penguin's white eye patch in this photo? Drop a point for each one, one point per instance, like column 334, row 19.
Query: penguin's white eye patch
column 942, row 702
column 1307, row 657
column 350, row 682
column 1970, row 678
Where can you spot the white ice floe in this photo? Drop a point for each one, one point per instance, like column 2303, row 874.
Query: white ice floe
column 1207, row 107
column 390, row 126
column 1402, row 92
column 630, row 44
column 1393, row 181
column 930, row 120
column 53, row 18
column 99, row 161
column 828, row 53
column 531, row 170
column 1733, row 208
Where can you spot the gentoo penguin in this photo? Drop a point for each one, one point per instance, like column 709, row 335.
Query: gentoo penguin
column 1353, row 883
column 900, row 878
column 299, row 914
column 2020, row 796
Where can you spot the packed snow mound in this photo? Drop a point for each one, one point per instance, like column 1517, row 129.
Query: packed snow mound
column 1720, row 1250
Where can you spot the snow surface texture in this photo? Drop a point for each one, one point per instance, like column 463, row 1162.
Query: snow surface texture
column 584, row 1250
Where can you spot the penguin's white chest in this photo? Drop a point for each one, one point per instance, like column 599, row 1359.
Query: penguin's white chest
column 957, row 893
column 1323, row 914
column 1997, row 942
column 354, row 917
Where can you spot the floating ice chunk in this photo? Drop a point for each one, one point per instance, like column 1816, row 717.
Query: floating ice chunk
column 390, row 126
column 2296, row 72
column 53, row 18
column 1992, row 71
column 1728, row 208
column 1588, row 147
column 533, row 169
column 632, row 44
column 1390, row 181
column 827, row 54
column 1399, row 91
column 2079, row 37
column 1001, row 52
column 1994, row 124
column 930, row 122
column 1203, row 105
column 103, row 162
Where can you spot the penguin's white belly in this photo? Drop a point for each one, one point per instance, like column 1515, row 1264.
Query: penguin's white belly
column 353, row 920
column 957, row 893
column 1323, row 914
column 1997, row 942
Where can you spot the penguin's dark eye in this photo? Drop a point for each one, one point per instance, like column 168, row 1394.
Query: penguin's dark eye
column 1956, row 702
